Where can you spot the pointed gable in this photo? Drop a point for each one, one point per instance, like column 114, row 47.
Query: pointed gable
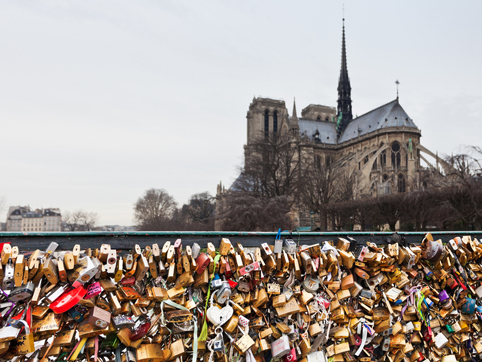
column 389, row 115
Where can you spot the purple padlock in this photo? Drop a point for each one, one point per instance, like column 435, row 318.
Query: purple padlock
column 442, row 296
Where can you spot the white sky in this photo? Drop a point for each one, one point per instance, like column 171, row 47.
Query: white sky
column 101, row 100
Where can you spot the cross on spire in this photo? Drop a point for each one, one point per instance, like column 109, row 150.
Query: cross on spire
column 397, row 83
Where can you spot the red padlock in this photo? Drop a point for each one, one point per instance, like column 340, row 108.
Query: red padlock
column 228, row 272
column 291, row 356
column 202, row 262
column 68, row 300
column 140, row 331
column 128, row 282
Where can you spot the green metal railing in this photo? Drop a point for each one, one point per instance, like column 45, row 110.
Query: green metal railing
column 125, row 240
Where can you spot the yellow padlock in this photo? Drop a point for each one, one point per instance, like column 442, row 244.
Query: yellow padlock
column 24, row 343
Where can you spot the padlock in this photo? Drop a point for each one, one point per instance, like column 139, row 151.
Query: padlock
column 24, row 343
column 111, row 342
column 8, row 274
column 152, row 353
column 55, row 293
column 223, row 293
column 280, row 347
column 9, row 333
column 99, row 317
column 90, row 267
column 22, row 292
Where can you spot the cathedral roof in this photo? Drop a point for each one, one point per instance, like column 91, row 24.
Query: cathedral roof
column 389, row 115
column 326, row 129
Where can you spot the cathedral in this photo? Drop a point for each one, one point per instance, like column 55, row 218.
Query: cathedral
column 382, row 146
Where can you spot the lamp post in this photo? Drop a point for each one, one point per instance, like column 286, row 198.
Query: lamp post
column 311, row 216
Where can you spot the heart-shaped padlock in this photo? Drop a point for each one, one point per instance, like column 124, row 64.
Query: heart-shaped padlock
column 219, row 316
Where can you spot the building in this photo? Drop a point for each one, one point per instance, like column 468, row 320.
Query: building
column 23, row 219
column 382, row 146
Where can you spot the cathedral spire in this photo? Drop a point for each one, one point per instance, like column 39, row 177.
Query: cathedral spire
column 344, row 114
column 294, row 118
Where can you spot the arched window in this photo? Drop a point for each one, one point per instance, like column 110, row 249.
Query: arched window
column 328, row 160
column 327, row 119
column 383, row 158
column 401, row 183
column 396, row 156
column 275, row 121
column 318, row 162
column 266, row 123
column 319, row 118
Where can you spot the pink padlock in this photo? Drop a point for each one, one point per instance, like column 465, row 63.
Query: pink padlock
column 94, row 290
column 291, row 356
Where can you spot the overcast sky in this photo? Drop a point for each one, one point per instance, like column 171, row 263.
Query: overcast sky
column 101, row 100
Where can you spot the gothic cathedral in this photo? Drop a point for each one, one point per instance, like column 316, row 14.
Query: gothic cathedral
column 382, row 146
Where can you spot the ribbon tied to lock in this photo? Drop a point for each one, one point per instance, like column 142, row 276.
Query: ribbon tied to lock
column 364, row 329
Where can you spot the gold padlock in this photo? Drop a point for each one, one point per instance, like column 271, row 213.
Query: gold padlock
column 24, row 344
column 152, row 353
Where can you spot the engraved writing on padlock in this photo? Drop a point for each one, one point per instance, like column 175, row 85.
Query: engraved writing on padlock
column 249, row 268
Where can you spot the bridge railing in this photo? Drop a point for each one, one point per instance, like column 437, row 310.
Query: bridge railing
column 126, row 240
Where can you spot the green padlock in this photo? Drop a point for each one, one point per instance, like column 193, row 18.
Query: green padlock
column 111, row 342
column 450, row 329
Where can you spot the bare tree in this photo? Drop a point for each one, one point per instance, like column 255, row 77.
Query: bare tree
column 262, row 196
column 200, row 207
column 90, row 220
column 80, row 220
column 248, row 211
column 154, row 210
column 322, row 184
column 197, row 214
column 272, row 167
column 460, row 191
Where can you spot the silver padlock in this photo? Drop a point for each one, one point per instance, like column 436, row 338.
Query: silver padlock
column 223, row 293
column 218, row 346
column 195, row 250
column 386, row 344
column 278, row 246
column 290, row 246
column 216, row 283
column 22, row 293
column 12, row 331
column 387, row 332
column 90, row 269
column 9, row 333
column 51, row 249
column 366, row 294
column 129, row 261
column 6, row 308
column 9, row 272
column 56, row 293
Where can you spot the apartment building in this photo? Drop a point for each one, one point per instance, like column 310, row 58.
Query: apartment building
column 23, row 219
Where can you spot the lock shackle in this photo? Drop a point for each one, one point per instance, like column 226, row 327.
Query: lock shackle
column 16, row 325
